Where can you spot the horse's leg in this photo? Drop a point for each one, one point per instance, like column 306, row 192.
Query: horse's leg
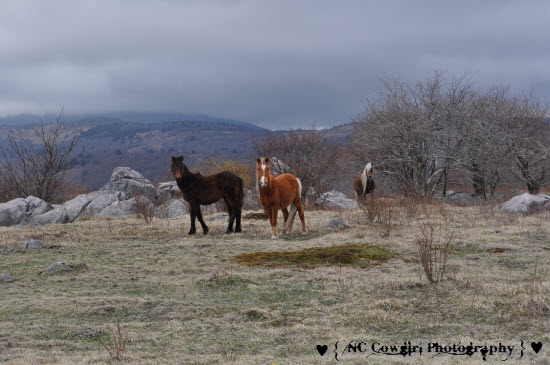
column 298, row 204
column 201, row 221
column 285, row 218
column 231, row 215
column 274, row 213
column 193, row 213
column 237, row 215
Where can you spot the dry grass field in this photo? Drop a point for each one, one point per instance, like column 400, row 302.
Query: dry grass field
column 189, row 300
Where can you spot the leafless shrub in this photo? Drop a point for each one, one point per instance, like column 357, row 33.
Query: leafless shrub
column 379, row 211
column 116, row 342
column 305, row 155
column 433, row 252
column 144, row 207
column 387, row 216
column 36, row 165
column 371, row 206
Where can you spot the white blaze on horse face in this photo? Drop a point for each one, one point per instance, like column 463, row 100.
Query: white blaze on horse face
column 366, row 172
column 369, row 168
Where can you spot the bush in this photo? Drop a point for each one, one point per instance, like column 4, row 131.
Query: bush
column 433, row 253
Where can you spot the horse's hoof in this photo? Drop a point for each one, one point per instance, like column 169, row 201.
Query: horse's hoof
column 228, row 231
column 305, row 232
column 273, row 237
column 191, row 233
column 238, row 230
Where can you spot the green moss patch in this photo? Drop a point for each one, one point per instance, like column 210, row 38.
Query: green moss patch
column 358, row 255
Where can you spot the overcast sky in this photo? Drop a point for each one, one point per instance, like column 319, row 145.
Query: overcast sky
column 274, row 63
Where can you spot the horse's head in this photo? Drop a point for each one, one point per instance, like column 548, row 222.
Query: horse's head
column 263, row 171
column 178, row 167
column 368, row 170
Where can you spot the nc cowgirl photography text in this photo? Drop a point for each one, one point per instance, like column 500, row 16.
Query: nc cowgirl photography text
column 500, row 351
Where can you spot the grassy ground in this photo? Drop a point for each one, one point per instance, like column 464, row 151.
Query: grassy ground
column 186, row 300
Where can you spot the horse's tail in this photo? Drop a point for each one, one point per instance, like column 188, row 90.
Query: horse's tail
column 293, row 210
column 241, row 193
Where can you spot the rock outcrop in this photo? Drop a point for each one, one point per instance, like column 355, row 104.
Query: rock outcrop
column 335, row 200
column 526, row 204
column 114, row 199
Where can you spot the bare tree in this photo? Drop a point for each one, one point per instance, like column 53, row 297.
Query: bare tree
column 414, row 134
column 303, row 154
column 488, row 145
column 36, row 165
column 530, row 143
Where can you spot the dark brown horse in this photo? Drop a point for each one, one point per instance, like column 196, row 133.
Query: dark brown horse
column 279, row 193
column 364, row 183
column 204, row 190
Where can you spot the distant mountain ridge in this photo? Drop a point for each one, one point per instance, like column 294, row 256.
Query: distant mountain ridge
column 110, row 141
column 21, row 120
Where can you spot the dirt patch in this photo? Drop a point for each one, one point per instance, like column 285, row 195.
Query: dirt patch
column 359, row 255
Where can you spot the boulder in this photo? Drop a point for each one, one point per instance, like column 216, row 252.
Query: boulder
column 119, row 208
column 77, row 205
column 56, row 267
column 37, row 206
column 172, row 209
column 57, row 215
column 33, row 243
column 129, row 182
column 460, row 198
column 168, row 189
column 335, row 200
column 251, row 200
column 6, row 278
column 12, row 212
column 100, row 202
column 525, row 203
column 336, row 223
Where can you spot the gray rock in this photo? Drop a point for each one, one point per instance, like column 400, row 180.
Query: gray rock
column 129, row 183
column 100, row 202
column 6, row 278
column 525, row 203
column 223, row 217
column 58, row 215
column 33, row 243
column 56, row 267
column 172, row 208
column 11, row 213
column 251, row 200
column 167, row 190
column 120, row 208
column 77, row 205
column 460, row 198
column 336, row 223
column 37, row 206
column 335, row 200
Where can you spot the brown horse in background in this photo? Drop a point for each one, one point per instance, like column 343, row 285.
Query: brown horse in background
column 364, row 183
column 278, row 193
column 200, row 190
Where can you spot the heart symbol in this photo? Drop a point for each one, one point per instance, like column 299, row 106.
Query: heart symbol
column 322, row 349
column 536, row 346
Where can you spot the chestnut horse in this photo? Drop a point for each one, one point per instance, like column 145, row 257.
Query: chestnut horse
column 364, row 183
column 278, row 193
column 198, row 189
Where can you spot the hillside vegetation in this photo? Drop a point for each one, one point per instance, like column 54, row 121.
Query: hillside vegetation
column 188, row 300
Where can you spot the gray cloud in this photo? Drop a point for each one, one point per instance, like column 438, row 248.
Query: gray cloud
column 278, row 63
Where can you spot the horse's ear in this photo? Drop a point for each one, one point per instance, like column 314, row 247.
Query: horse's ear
column 173, row 158
column 181, row 157
column 259, row 160
column 266, row 160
